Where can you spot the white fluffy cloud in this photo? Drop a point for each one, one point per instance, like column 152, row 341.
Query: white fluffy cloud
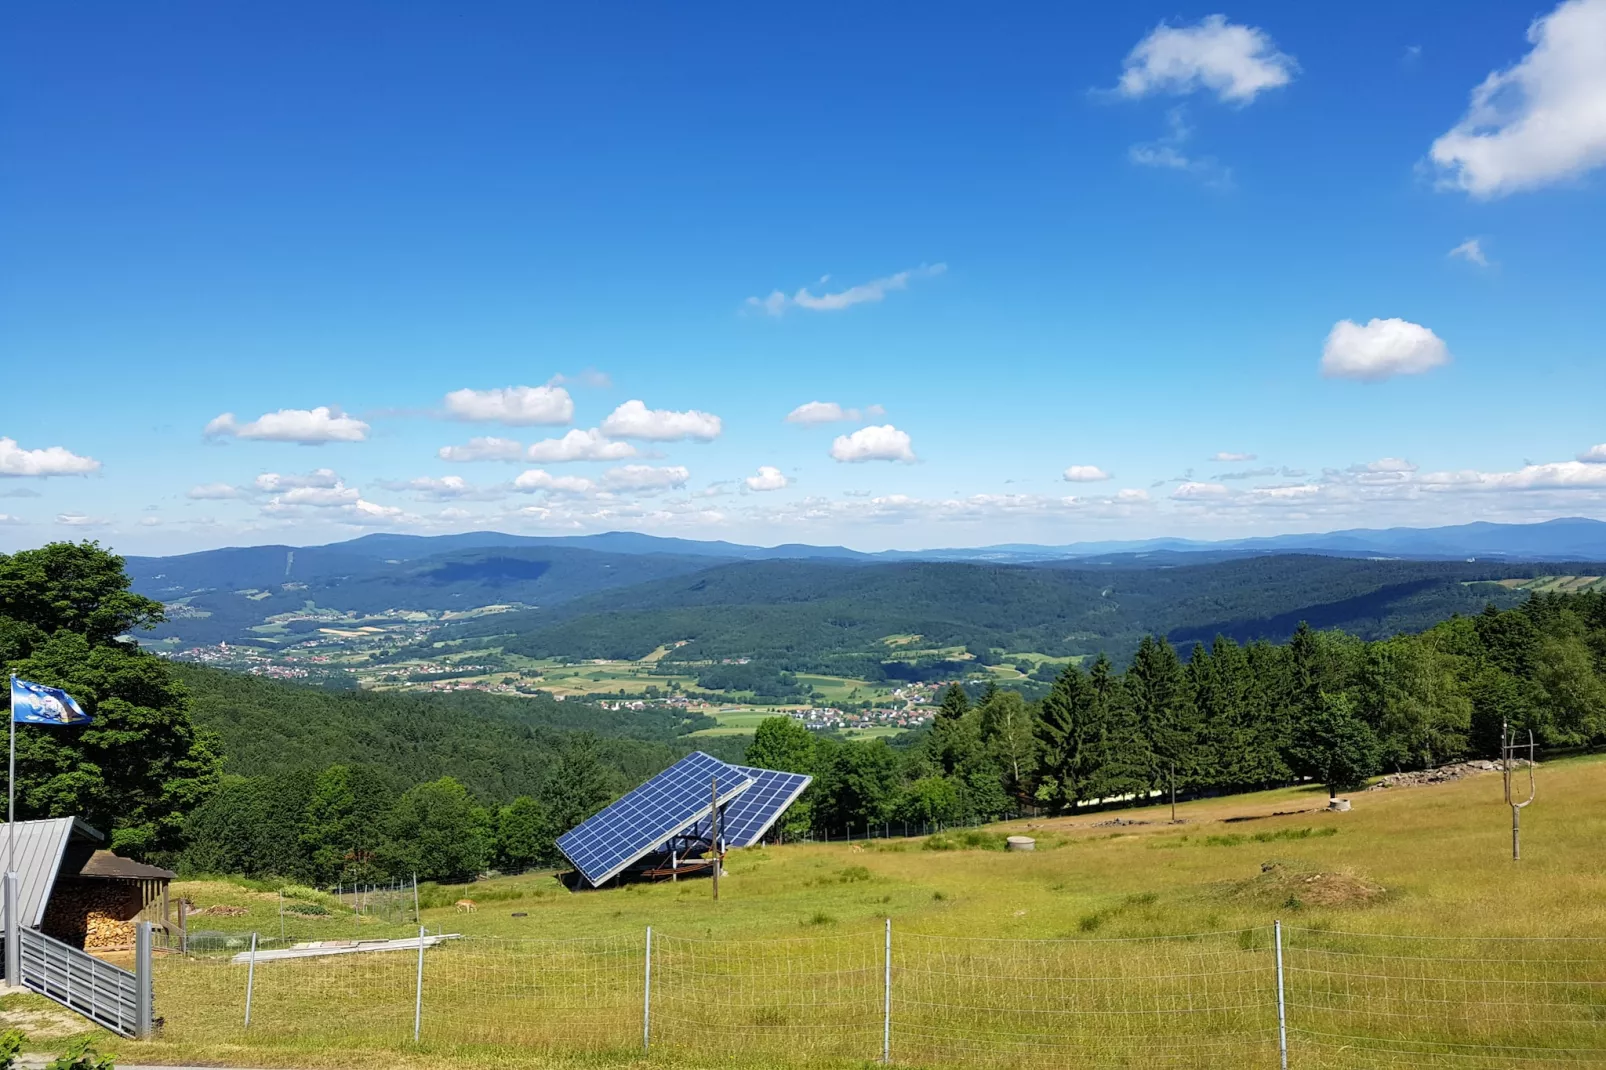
column 212, row 492
column 1594, row 454
column 768, row 478
column 319, row 497
column 308, row 427
column 483, row 449
column 443, row 488
column 1471, row 251
column 829, row 412
column 1540, row 121
column 50, row 461
column 275, row 482
column 777, row 302
column 645, row 477
column 873, row 443
column 1234, row 61
column 1193, row 492
column 1232, row 458
column 79, row 520
column 536, row 479
column 1085, row 473
column 1381, row 349
column 1558, row 475
column 579, row 445
column 634, row 420
column 518, row 406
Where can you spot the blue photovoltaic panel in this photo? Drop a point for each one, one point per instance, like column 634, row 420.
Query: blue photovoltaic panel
column 750, row 815
column 643, row 819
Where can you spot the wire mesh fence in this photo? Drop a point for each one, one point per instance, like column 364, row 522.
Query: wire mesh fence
column 1201, row 1000
column 1359, row 1000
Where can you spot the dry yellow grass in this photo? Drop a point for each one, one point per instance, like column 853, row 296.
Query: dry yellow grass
column 1066, row 955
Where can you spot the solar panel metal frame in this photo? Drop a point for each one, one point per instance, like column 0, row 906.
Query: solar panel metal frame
column 745, row 821
column 644, row 818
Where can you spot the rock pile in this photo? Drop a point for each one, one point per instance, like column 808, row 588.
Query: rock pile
column 1443, row 774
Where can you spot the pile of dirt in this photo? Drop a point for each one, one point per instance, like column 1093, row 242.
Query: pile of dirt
column 1116, row 822
column 223, row 911
column 1279, row 884
column 1442, row 775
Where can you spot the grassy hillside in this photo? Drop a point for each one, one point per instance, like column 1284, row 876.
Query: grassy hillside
column 786, row 968
column 788, row 609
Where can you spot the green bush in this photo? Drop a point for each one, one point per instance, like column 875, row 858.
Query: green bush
column 10, row 1044
column 966, row 840
column 81, row 1055
column 313, row 910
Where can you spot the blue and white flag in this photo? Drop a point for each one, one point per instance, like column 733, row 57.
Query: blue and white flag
column 38, row 704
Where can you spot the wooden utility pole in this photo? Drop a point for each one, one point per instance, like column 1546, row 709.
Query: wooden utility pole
column 713, row 831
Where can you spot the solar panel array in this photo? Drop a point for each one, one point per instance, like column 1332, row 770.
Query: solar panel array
column 644, row 819
column 750, row 815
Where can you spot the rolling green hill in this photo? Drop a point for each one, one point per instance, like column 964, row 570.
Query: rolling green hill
column 818, row 615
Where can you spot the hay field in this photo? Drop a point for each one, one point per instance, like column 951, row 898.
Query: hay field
column 1142, row 944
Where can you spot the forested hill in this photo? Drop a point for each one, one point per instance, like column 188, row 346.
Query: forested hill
column 499, row 747
column 788, row 609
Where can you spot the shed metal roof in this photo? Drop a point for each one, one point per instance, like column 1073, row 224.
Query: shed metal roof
column 40, row 848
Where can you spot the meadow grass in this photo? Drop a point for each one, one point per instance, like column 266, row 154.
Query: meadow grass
column 1143, row 944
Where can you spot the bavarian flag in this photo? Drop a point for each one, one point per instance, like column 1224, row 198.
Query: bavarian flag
column 38, row 704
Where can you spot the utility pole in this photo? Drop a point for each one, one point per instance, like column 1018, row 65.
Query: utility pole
column 1508, row 748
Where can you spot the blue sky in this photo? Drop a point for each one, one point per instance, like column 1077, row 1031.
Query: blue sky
column 1357, row 251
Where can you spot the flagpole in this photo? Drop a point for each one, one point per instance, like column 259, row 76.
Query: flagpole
column 11, row 788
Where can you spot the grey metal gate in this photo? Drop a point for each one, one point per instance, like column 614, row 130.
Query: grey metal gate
column 107, row 995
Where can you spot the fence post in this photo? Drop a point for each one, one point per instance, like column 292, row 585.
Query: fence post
column 250, row 979
column 418, row 917
column 418, row 991
column 1282, row 1012
column 144, row 983
column 13, row 931
column 646, row 998
column 886, row 998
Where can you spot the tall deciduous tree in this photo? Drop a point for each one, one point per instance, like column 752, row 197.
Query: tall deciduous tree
column 438, row 832
column 142, row 766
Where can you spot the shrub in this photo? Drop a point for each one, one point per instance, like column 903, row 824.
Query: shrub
column 966, row 840
column 81, row 1055
column 312, row 910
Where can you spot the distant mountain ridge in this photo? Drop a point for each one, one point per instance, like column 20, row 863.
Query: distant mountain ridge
column 1566, row 539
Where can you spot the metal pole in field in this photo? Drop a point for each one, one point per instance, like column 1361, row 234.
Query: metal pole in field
column 1282, row 1010
column 281, row 915
column 713, row 832
column 418, row 996
column 646, row 998
column 886, row 998
column 250, row 980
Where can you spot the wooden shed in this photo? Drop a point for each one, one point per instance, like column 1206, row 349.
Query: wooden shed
column 78, row 892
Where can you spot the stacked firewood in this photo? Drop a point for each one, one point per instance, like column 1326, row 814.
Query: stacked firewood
column 95, row 915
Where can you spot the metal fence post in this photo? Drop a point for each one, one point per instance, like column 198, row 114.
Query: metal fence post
column 250, row 979
column 646, row 998
column 418, row 992
column 144, row 983
column 886, row 998
column 13, row 931
column 1282, row 1011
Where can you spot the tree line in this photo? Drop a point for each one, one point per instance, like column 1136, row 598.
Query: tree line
column 1324, row 707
